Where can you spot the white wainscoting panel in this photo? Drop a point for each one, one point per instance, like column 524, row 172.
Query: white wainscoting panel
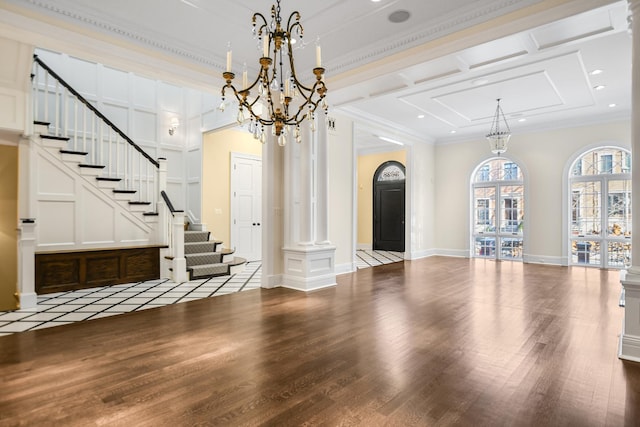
column 144, row 93
column 56, row 224
column 144, row 126
column 115, row 85
column 99, row 227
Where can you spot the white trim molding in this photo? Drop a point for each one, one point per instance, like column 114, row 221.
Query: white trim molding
column 309, row 268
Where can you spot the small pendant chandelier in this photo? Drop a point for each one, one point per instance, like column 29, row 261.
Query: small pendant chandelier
column 279, row 99
column 499, row 136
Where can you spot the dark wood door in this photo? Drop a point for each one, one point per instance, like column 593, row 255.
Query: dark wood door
column 389, row 210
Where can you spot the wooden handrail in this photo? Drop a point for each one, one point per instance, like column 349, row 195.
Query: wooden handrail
column 95, row 111
column 168, row 202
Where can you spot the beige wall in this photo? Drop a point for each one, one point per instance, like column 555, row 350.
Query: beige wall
column 367, row 166
column 216, row 177
column 8, row 224
column 543, row 157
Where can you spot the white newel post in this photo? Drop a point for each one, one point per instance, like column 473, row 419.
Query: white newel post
column 309, row 263
column 161, row 208
column 27, row 266
column 179, row 263
column 630, row 338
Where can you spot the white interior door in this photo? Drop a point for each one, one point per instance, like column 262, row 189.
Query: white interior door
column 246, row 205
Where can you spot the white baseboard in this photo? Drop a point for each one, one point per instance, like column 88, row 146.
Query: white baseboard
column 629, row 348
column 346, row 268
column 270, row 282
column 456, row 253
column 541, row 259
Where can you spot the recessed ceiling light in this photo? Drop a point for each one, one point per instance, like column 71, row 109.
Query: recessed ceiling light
column 522, row 120
column 599, row 87
column 612, row 105
column 479, row 82
column 375, row 1
column 453, row 131
column 421, row 116
column 596, row 72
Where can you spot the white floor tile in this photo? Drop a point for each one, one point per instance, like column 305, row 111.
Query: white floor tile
column 122, row 308
column 43, row 316
column 74, row 317
column 93, row 308
column 18, row 326
column 12, row 315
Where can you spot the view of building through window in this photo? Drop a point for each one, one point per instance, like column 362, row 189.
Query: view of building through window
column 600, row 229
column 498, row 217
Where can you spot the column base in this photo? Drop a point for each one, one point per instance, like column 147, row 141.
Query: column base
column 309, row 268
column 629, row 346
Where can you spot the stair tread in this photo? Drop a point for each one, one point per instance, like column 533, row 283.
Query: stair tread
column 139, row 203
column 55, row 137
column 84, row 165
column 106, row 178
column 125, row 191
column 40, row 122
column 150, row 214
column 80, row 153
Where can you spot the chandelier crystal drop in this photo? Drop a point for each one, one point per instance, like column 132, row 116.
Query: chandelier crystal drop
column 280, row 99
column 499, row 136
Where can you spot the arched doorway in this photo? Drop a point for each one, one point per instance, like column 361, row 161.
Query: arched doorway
column 497, row 223
column 389, row 207
column 600, row 208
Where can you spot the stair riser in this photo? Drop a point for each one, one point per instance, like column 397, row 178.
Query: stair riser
column 108, row 184
column 210, row 258
column 196, row 236
column 90, row 171
column 73, row 158
column 54, row 145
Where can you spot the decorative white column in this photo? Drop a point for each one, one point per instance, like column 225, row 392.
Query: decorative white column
column 322, row 191
column 309, row 263
column 273, row 163
column 630, row 337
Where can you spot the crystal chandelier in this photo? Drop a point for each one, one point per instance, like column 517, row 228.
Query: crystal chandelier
column 498, row 137
column 279, row 99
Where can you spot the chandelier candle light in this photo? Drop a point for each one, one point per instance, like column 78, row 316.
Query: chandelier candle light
column 497, row 137
column 281, row 100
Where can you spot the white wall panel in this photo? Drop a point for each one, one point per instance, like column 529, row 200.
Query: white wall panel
column 194, row 164
column 118, row 114
column 194, row 197
column 170, row 97
column 175, row 191
column 102, row 213
column 115, row 85
column 53, row 179
column 144, row 93
column 128, row 232
column 84, row 76
column 56, row 223
column 144, row 126
column 175, row 166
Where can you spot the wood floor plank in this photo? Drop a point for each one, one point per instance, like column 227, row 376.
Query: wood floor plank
column 439, row 341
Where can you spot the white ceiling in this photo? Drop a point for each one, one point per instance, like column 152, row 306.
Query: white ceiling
column 386, row 74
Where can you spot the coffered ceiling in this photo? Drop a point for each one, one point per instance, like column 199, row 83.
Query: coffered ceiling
column 406, row 79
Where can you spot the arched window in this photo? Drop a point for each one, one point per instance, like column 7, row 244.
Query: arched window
column 497, row 223
column 600, row 208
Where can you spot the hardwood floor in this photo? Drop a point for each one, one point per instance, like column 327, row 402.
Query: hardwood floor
column 439, row 341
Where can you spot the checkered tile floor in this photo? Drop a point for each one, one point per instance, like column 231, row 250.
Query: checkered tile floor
column 366, row 258
column 74, row 306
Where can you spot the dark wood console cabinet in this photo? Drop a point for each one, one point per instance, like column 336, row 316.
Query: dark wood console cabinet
column 66, row 271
